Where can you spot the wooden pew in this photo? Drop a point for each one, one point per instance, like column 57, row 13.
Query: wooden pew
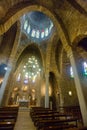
column 47, row 123
column 82, row 128
column 74, row 110
column 8, row 118
column 43, row 112
column 46, row 119
column 50, row 116
column 9, row 114
column 59, row 127
column 10, row 110
column 7, row 125
column 36, row 112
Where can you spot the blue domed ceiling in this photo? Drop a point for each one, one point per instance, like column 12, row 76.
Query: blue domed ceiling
column 37, row 26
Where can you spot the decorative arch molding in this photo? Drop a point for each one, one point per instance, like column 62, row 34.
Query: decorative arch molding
column 10, row 60
column 58, row 55
column 35, row 46
column 78, row 7
column 80, row 50
column 16, row 44
column 78, row 39
column 50, row 56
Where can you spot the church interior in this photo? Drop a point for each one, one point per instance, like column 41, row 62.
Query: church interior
column 43, row 60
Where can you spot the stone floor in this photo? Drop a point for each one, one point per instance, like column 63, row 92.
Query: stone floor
column 24, row 121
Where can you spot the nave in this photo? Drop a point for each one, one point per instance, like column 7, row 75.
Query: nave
column 24, row 121
column 43, row 56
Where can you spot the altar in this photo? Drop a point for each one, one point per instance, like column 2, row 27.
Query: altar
column 23, row 103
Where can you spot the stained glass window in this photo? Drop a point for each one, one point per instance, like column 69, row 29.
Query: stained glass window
column 42, row 34
column 71, row 72
column 25, row 81
column 28, row 29
column 37, row 34
column 33, row 33
column 46, row 32
column 25, row 25
column 85, row 68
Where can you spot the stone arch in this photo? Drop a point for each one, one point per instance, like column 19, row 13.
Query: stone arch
column 31, row 46
column 53, row 57
column 16, row 44
column 80, row 46
column 78, row 39
column 58, row 56
column 55, row 18
column 49, row 51
column 9, row 22
column 77, row 5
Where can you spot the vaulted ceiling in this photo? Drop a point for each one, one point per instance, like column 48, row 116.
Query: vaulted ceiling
column 68, row 17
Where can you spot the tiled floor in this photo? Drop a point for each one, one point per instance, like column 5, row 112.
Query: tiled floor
column 24, row 121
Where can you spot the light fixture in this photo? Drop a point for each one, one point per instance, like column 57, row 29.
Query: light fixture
column 70, row 93
column 31, row 68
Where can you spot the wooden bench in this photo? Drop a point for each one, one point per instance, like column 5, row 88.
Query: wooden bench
column 8, row 108
column 46, row 123
column 8, row 114
column 59, row 127
column 74, row 110
column 43, row 113
column 82, row 128
column 51, row 116
column 8, row 118
column 7, row 125
column 40, row 112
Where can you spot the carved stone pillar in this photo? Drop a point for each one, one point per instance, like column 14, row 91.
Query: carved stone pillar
column 83, row 103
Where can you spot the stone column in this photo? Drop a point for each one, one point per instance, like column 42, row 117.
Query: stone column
column 38, row 90
column 8, row 89
column 60, row 92
column 47, row 91
column 9, row 84
column 82, row 102
column 2, row 89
